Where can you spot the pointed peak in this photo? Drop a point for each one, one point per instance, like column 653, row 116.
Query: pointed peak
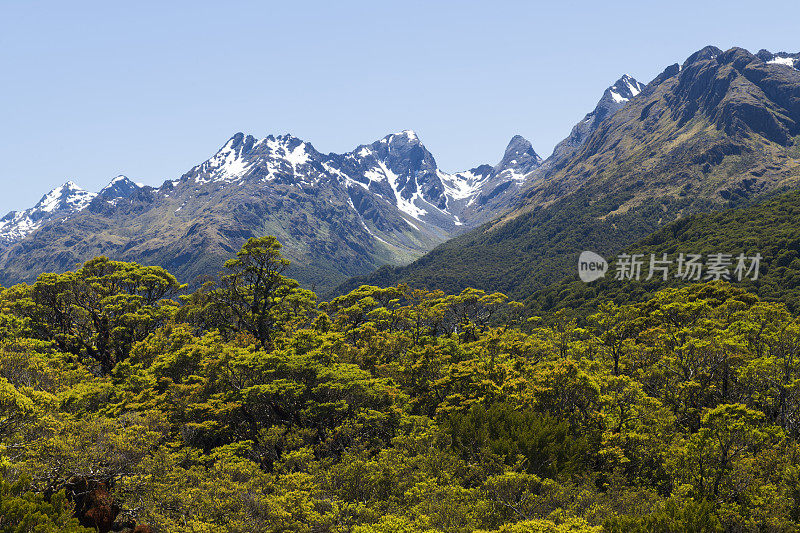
column 68, row 195
column 65, row 189
column 706, row 53
column 238, row 139
column 119, row 187
column 120, row 179
column 519, row 144
column 624, row 89
column 519, row 157
column 629, row 81
column 69, row 185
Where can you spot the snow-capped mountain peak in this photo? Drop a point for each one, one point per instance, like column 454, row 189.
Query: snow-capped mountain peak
column 404, row 136
column 243, row 157
column 66, row 197
column 614, row 98
column 624, row 89
column 519, row 159
column 61, row 201
column 229, row 163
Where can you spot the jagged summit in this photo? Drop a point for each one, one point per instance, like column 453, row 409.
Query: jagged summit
column 519, row 158
column 61, row 201
column 383, row 202
column 402, row 136
column 624, row 89
column 780, row 58
column 704, row 54
column 789, row 59
column 397, row 169
column 68, row 196
column 614, row 98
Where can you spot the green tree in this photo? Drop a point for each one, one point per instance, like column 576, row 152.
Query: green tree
column 101, row 310
column 729, row 436
column 257, row 296
column 22, row 511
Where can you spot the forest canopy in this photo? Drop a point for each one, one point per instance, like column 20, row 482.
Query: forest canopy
column 248, row 405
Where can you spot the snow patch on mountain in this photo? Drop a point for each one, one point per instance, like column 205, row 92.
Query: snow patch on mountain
column 227, row 165
column 407, row 206
column 281, row 148
column 787, row 61
column 782, row 61
column 462, row 185
column 780, row 58
column 625, row 89
column 63, row 200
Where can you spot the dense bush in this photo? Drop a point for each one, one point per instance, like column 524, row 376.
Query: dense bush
column 247, row 406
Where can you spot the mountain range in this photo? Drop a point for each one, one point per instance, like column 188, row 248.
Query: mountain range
column 337, row 214
column 720, row 130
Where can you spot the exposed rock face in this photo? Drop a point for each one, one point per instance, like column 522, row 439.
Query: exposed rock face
column 780, row 58
column 614, row 98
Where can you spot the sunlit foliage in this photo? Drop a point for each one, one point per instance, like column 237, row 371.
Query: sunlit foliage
column 248, row 406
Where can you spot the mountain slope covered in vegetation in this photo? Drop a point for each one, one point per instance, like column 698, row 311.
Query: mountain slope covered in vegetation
column 770, row 228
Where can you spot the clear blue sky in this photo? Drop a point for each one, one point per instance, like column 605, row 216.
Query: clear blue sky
column 148, row 89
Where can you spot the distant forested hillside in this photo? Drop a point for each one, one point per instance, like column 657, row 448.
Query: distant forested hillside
column 771, row 229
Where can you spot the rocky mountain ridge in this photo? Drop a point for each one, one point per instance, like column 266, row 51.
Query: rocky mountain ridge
column 383, row 202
